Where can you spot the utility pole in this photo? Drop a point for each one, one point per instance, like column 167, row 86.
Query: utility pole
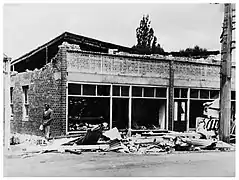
column 6, row 102
column 225, row 75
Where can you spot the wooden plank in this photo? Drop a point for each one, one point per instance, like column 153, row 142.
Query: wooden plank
column 86, row 147
column 44, row 149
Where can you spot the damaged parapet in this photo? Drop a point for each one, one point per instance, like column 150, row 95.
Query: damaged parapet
column 210, row 59
column 112, row 51
column 73, row 47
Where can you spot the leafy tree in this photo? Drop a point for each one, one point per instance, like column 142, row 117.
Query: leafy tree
column 156, row 48
column 194, row 52
column 146, row 41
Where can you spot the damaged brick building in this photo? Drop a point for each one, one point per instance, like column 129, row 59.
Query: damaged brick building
column 87, row 81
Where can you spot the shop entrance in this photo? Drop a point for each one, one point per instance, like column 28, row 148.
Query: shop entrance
column 180, row 115
column 120, row 114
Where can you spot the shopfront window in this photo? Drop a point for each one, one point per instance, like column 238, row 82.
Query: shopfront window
column 90, row 104
column 84, row 112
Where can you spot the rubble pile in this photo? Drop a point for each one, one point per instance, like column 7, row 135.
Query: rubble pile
column 99, row 139
column 165, row 142
column 27, row 139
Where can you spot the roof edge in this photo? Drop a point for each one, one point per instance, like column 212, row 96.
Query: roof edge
column 39, row 48
column 62, row 36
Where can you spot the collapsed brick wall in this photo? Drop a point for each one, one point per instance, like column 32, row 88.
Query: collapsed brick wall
column 47, row 85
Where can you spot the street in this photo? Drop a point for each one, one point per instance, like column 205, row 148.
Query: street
column 95, row 164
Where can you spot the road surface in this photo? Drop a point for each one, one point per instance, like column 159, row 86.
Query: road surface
column 209, row 164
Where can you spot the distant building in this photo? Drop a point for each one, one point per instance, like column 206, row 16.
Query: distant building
column 90, row 81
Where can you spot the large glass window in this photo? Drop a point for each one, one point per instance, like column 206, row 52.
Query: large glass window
column 148, row 113
column 89, row 104
column 83, row 112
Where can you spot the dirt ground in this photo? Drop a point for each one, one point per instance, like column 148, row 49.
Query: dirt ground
column 111, row 164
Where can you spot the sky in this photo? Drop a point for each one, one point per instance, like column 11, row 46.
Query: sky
column 176, row 26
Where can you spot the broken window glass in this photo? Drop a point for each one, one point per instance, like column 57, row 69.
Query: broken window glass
column 148, row 113
column 214, row 94
column 84, row 112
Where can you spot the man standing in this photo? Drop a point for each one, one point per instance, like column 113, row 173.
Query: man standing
column 47, row 118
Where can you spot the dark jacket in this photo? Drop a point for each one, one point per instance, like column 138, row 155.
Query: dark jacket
column 47, row 117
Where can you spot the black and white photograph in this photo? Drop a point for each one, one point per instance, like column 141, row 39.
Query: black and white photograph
column 119, row 89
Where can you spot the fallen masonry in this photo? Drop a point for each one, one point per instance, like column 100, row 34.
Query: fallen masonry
column 98, row 139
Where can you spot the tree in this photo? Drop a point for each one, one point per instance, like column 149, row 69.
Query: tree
column 194, row 52
column 156, row 48
column 146, row 41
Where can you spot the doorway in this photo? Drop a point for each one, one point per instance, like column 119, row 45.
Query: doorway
column 120, row 115
column 180, row 115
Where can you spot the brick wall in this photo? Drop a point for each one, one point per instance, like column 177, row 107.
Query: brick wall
column 47, row 85
column 148, row 70
column 95, row 63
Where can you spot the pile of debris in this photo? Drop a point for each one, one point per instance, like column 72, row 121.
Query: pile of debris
column 27, row 139
column 98, row 139
column 160, row 142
